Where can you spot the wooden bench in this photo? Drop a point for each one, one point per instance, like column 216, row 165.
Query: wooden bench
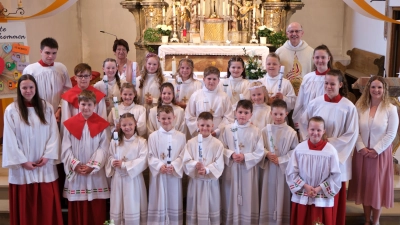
column 362, row 64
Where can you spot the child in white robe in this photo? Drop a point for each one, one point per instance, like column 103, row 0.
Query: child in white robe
column 52, row 77
column 278, row 87
column 244, row 149
column 261, row 109
column 167, row 97
column 111, row 83
column 313, row 176
column 312, row 85
column 126, row 161
column 212, row 100
column 31, row 150
column 203, row 162
column 84, row 154
column 184, row 84
column 279, row 142
column 149, row 83
column 69, row 102
column 166, row 147
column 129, row 103
column 235, row 83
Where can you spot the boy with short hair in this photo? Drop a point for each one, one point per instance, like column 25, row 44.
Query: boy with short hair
column 69, row 102
column 84, row 153
column 52, row 77
column 209, row 99
column 279, row 142
column 203, row 162
column 239, row 182
column 166, row 150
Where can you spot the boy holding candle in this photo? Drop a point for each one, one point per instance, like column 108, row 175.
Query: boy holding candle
column 203, row 162
column 84, row 153
column 244, row 149
column 209, row 99
column 69, row 101
column 166, row 147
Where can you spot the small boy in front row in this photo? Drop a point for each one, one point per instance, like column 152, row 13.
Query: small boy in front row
column 313, row 176
column 244, row 149
column 209, row 99
column 203, row 162
column 279, row 142
column 84, row 152
column 166, row 147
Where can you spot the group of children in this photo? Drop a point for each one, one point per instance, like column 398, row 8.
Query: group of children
column 231, row 138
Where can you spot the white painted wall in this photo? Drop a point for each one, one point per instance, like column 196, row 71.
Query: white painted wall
column 363, row 32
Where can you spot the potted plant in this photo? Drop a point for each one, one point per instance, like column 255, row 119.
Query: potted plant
column 164, row 31
column 277, row 39
column 253, row 66
column 263, row 33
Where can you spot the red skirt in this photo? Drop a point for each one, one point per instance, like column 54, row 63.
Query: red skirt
column 310, row 214
column 35, row 204
column 87, row 212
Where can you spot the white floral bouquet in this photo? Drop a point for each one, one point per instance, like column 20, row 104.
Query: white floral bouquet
column 164, row 30
column 264, row 31
column 253, row 66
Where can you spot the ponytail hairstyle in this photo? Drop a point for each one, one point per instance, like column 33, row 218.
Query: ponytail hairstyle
column 130, row 86
column 166, row 85
column 159, row 74
column 117, row 79
column 236, row 59
column 337, row 73
column 120, row 132
column 324, row 48
column 36, row 101
column 319, row 119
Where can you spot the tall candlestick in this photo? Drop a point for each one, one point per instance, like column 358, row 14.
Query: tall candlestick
column 173, row 65
column 200, row 146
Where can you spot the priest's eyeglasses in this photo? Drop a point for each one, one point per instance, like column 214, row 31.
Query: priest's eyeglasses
column 294, row 31
column 83, row 76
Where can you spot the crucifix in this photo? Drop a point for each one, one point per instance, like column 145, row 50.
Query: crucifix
column 184, row 99
column 211, row 111
column 162, row 156
column 147, row 95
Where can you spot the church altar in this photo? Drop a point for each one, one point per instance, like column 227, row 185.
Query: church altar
column 209, row 55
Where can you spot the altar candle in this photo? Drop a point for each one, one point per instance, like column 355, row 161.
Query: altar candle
column 198, row 9
column 204, row 8
column 163, row 11
column 200, row 146
column 262, row 12
column 194, row 9
column 254, row 11
column 223, row 8
column 173, row 66
column 151, row 14
column 233, row 9
column 173, row 9
column 134, row 65
column 272, row 15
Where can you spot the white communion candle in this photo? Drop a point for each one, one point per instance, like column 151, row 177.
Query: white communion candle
column 200, row 146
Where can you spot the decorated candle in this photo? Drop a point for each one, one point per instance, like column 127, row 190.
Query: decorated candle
column 134, row 66
column 234, row 130
column 281, row 71
column 200, row 146
column 115, row 100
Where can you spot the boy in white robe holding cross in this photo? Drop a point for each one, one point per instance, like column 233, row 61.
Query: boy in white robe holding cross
column 166, row 147
column 244, row 149
column 203, row 162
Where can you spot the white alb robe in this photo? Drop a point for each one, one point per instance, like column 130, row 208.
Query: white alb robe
column 23, row 143
column 137, row 110
column 205, row 100
column 128, row 200
column 203, row 196
column 52, row 81
column 111, row 90
column 150, row 86
column 187, row 88
column 91, row 152
column 239, row 182
column 272, row 85
column 275, row 193
column 341, row 125
column 165, row 191
column 153, row 124
column 261, row 115
column 235, row 87
column 311, row 87
column 315, row 168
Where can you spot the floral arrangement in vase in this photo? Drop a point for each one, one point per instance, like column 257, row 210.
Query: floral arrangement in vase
column 253, row 66
column 264, row 31
column 164, row 30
